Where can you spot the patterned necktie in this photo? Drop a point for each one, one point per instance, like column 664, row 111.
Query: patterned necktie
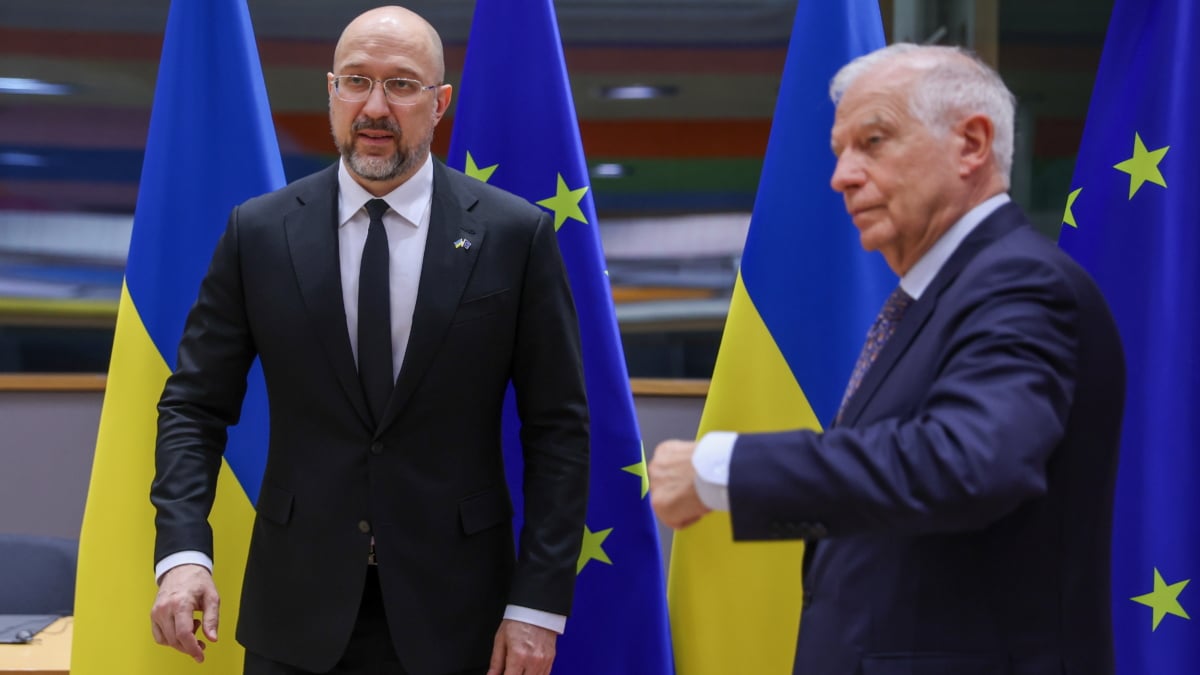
column 881, row 331
column 375, row 315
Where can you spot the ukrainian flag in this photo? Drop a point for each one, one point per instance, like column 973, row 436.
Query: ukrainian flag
column 1131, row 221
column 515, row 127
column 211, row 146
column 801, row 307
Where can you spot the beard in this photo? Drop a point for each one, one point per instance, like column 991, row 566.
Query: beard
column 373, row 168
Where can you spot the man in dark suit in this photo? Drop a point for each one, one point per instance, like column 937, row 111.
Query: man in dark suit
column 391, row 300
column 958, row 511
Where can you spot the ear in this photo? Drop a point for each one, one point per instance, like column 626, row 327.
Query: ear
column 975, row 134
column 444, row 93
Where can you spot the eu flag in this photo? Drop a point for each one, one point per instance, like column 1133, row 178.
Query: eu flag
column 802, row 304
column 515, row 128
column 1131, row 220
column 211, row 146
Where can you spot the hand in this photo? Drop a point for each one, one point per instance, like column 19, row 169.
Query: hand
column 673, row 485
column 183, row 591
column 522, row 649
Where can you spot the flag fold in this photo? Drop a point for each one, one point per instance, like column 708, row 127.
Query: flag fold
column 1131, row 221
column 802, row 304
column 515, row 128
column 211, row 145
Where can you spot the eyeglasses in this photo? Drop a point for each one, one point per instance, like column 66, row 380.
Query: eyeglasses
column 398, row 90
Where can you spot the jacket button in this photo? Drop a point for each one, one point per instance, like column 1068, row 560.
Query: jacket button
column 364, row 526
column 377, row 448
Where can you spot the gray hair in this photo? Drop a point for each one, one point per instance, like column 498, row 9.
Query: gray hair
column 950, row 82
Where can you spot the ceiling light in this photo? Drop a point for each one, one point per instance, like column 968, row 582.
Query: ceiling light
column 21, row 159
column 629, row 92
column 25, row 85
column 609, row 170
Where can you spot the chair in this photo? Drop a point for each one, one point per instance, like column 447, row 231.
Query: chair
column 37, row 574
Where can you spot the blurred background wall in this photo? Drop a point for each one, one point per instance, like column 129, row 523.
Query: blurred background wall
column 674, row 97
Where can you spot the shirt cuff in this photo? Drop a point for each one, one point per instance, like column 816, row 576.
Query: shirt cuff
column 554, row 622
column 711, row 461
column 181, row 558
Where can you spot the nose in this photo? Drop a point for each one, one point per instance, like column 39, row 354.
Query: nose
column 376, row 105
column 847, row 174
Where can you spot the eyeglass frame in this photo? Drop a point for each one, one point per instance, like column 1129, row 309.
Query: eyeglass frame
column 422, row 87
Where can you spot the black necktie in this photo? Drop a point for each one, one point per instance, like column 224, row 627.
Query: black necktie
column 375, row 315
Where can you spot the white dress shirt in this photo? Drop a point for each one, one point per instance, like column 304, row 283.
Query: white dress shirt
column 715, row 449
column 407, row 226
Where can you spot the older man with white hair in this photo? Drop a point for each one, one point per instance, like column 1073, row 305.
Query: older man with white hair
column 958, row 508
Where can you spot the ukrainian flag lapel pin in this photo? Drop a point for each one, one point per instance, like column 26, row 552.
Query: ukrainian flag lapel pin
column 463, row 243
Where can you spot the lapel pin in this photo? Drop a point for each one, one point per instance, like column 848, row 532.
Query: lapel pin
column 463, row 243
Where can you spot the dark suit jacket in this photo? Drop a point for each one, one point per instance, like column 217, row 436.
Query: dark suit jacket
column 428, row 483
column 959, row 519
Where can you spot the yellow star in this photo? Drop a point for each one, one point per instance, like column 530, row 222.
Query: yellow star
column 592, row 550
column 474, row 171
column 1143, row 166
column 639, row 469
column 1068, row 217
column 565, row 204
column 1164, row 599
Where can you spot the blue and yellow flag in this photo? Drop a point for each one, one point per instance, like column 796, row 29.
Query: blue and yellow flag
column 515, row 128
column 211, row 146
column 1131, row 220
column 801, row 307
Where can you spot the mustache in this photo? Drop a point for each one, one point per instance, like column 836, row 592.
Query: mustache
column 364, row 123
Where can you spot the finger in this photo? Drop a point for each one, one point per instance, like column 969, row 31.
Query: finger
column 185, row 641
column 158, row 634
column 212, row 614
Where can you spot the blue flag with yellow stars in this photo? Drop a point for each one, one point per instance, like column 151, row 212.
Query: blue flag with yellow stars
column 1131, row 219
column 515, row 128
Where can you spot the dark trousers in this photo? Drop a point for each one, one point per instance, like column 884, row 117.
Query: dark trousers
column 370, row 651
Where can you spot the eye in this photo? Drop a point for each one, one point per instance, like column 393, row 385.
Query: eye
column 402, row 86
column 355, row 82
column 870, row 142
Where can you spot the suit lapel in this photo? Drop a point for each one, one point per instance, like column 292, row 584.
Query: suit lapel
column 311, row 232
column 999, row 223
column 444, row 274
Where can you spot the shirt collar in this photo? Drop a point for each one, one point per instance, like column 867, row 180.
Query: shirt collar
column 922, row 273
column 410, row 199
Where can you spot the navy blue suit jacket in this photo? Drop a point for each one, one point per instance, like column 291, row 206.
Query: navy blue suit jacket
column 959, row 519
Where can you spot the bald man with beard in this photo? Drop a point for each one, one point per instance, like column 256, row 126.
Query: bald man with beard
column 383, row 539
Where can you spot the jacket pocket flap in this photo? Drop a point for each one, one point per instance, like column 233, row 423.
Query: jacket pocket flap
column 275, row 505
column 480, row 306
column 483, row 510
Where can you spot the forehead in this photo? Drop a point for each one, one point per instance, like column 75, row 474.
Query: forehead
column 385, row 51
column 874, row 99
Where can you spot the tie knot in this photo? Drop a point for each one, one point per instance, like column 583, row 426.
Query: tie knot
column 376, row 208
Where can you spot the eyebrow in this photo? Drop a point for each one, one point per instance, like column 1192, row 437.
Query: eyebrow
column 875, row 121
